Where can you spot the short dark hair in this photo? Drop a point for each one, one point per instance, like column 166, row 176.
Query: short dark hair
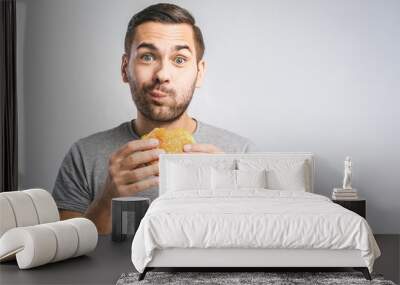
column 164, row 13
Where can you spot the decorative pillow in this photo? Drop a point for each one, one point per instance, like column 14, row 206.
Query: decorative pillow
column 184, row 177
column 251, row 178
column 282, row 174
column 223, row 179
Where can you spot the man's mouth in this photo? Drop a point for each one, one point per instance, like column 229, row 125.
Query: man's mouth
column 157, row 94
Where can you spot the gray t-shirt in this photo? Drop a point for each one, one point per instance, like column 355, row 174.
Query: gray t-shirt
column 84, row 169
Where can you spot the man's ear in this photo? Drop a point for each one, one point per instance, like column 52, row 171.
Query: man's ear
column 124, row 68
column 201, row 67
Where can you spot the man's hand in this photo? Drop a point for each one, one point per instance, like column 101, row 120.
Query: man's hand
column 201, row 148
column 129, row 172
column 129, row 167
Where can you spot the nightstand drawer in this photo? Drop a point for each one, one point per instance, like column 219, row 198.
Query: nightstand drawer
column 357, row 206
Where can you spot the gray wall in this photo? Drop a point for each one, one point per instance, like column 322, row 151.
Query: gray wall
column 320, row 76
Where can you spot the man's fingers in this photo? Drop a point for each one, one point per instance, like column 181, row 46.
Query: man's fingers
column 128, row 190
column 134, row 146
column 132, row 176
column 205, row 148
column 136, row 159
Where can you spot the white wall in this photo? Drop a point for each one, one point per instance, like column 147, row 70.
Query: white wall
column 320, row 76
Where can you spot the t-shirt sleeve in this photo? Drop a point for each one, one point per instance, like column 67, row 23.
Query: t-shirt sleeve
column 71, row 190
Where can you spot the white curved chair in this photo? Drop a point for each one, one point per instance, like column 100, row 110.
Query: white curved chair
column 40, row 244
column 31, row 230
column 26, row 208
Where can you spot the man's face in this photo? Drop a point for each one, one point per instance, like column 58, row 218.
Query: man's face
column 162, row 58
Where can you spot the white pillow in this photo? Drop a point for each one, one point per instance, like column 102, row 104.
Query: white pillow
column 282, row 174
column 223, row 179
column 236, row 179
column 251, row 178
column 188, row 177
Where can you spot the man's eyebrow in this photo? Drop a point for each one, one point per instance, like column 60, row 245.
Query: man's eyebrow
column 179, row 47
column 153, row 47
column 147, row 45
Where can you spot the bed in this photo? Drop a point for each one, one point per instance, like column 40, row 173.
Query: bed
column 242, row 211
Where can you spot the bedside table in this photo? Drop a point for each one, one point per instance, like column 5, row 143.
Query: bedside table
column 358, row 206
column 127, row 212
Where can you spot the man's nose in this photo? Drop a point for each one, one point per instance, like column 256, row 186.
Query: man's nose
column 163, row 72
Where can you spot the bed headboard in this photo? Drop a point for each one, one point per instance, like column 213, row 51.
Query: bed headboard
column 231, row 160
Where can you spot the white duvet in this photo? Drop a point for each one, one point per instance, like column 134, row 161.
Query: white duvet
column 251, row 218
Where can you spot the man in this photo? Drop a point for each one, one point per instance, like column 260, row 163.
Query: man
column 163, row 64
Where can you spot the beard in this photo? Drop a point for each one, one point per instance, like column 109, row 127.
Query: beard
column 165, row 111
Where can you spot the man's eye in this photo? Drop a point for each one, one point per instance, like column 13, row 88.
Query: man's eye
column 147, row 57
column 180, row 60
